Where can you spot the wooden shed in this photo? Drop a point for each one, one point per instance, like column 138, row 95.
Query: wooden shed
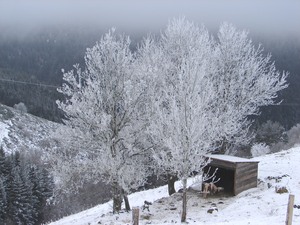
column 235, row 174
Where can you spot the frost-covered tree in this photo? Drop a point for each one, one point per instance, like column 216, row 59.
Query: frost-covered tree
column 182, row 121
column 105, row 116
column 196, row 94
column 244, row 80
column 204, row 91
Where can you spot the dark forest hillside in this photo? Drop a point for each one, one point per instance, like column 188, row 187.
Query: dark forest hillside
column 35, row 63
column 286, row 54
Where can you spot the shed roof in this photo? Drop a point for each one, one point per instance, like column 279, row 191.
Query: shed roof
column 232, row 159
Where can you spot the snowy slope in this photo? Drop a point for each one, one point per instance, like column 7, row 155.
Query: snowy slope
column 3, row 131
column 23, row 131
column 257, row 206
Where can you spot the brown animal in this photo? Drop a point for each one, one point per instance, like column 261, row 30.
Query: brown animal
column 210, row 188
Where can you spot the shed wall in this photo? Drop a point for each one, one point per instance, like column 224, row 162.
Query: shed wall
column 245, row 177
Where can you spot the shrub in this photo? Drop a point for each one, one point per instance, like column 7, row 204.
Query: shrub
column 21, row 107
column 270, row 133
column 259, row 149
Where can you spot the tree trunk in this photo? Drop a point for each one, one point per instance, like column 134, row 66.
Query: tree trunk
column 126, row 201
column 224, row 147
column 117, row 198
column 184, row 201
column 171, row 184
column 117, row 204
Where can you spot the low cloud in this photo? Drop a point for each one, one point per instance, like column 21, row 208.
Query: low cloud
column 275, row 17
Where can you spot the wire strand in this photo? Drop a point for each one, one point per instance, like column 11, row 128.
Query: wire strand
column 29, row 83
column 53, row 86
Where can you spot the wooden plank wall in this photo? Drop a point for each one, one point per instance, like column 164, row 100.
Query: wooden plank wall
column 245, row 176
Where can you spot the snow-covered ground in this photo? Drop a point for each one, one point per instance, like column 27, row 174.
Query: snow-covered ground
column 3, row 131
column 258, row 206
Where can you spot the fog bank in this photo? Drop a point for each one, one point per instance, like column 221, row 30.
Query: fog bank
column 273, row 17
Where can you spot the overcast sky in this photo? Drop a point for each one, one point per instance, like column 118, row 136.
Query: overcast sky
column 274, row 17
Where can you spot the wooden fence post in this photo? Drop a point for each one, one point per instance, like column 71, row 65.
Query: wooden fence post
column 289, row 214
column 135, row 215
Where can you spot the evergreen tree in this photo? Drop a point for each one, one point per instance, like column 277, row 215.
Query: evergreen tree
column 17, row 195
column 37, row 195
column 8, row 187
column 31, row 199
column 3, row 170
column 22, row 210
column 3, row 200
column 44, row 190
column 24, row 190
column 3, row 195
column 16, row 159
